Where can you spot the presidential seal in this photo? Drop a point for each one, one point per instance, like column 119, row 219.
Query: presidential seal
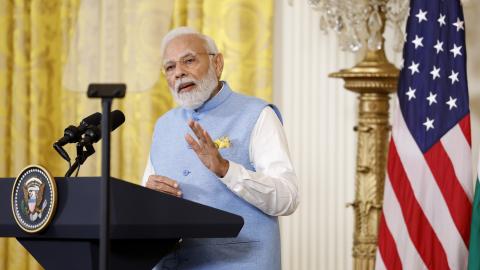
column 34, row 199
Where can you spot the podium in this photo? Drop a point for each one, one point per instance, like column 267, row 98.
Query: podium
column 144, row 225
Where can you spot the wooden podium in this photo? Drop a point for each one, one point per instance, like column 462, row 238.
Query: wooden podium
column 144, row 225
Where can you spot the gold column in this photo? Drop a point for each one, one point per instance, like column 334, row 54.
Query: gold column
column 374, row 78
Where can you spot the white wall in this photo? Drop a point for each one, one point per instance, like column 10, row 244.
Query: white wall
column 472, row 20
column 319, row 116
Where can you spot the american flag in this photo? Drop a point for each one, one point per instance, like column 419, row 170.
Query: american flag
column 425, row 223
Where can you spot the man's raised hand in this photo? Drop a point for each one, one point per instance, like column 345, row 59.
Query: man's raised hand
column 206, row 150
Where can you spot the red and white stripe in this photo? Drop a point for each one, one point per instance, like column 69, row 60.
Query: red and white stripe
column 427, row 201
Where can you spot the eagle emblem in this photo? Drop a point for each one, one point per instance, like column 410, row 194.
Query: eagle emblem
column 33, row 201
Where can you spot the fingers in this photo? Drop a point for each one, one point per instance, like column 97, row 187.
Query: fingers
column 164, row 179
column 164, row 184
column 208, row 138
column 194, row 144
column 206, row 149
column 199, row 132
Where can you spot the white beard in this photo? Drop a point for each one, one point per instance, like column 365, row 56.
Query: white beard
column 195, row 98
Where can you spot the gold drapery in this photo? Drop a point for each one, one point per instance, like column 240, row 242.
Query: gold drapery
column 35, row 107
column 243, row 31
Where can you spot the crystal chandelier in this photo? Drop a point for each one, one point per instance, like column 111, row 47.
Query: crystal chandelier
column 361, row 23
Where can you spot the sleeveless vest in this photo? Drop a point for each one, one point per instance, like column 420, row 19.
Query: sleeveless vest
column 234, row 116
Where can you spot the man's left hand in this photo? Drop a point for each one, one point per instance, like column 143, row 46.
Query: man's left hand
column 206, row 150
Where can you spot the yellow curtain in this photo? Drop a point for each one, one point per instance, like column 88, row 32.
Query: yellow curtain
column 35, row 107
column 30, row 94
column 243, row 31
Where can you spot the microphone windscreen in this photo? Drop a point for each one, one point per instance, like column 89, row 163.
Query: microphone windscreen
column 94, row 133
column 117, row 119
column 93, row 119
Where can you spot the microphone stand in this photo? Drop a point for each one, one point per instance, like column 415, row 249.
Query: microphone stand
column 81, row 157
column 105, row 186
column 106, row 92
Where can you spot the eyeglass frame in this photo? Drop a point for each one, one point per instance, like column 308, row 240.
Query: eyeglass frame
column 182, row 62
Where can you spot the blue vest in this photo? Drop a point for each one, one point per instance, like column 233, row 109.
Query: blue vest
column 231, row 115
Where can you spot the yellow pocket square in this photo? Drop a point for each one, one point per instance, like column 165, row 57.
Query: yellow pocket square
column 222, row 142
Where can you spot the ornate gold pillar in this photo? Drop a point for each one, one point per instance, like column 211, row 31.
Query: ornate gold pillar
column 374, row 79
column 358, row 23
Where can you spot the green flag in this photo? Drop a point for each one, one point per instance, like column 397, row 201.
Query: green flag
column 474, row 250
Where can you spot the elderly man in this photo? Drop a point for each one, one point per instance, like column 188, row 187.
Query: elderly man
column 221, row 149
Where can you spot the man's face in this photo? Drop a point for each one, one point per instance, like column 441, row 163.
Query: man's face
column 192, row 73
column 178, row 57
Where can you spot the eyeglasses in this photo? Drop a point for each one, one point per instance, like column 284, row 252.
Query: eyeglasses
column 188, row 61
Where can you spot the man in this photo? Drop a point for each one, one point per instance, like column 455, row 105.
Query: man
column 221, row 149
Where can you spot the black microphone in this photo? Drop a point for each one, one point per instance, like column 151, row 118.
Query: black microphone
column 93, row 134
column 74, row 134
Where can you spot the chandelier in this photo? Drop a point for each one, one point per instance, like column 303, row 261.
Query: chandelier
column 361, row 23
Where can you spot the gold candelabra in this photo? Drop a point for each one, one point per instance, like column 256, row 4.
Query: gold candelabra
column 373, row 78
column 359, row 23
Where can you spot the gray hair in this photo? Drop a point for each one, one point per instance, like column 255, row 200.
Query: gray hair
column 210, row 45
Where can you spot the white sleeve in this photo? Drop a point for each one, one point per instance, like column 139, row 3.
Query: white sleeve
column 149, row 170
column 272, row 188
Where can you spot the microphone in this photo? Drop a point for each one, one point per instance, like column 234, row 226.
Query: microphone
column 74, row 134
column 93, row 134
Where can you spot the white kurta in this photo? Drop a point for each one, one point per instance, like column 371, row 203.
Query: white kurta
column 272, row 188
